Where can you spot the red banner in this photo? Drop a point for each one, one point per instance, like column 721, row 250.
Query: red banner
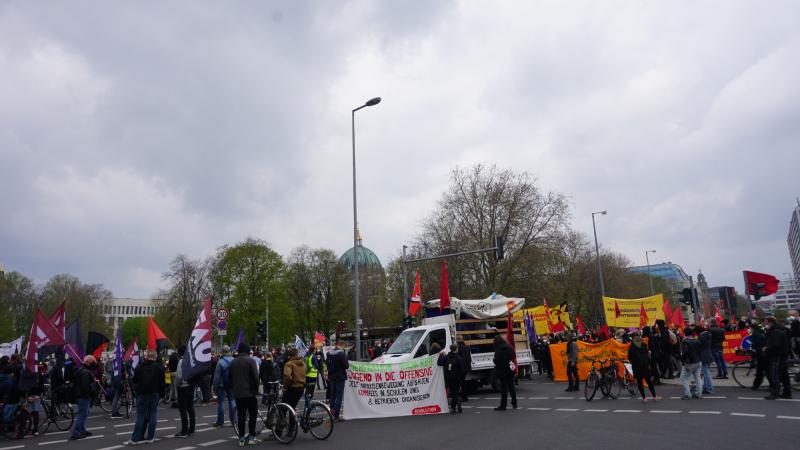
column 734, row 340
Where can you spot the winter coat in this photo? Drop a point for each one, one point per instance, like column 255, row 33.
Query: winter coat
column 777, row 341
column 503, row 356
column 148, row 378
column 338, row 364
column 294, row 373
column 466, row 356
column 705, row 347
column 84, row 383
column 639, row 357
column 454, row 369
column 243, row 373
column 219, row 379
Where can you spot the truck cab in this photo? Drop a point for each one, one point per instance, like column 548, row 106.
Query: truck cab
column 416, row 342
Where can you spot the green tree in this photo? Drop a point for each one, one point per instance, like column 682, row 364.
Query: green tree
column 135, row 327
column 18, row 300
column 245, row 277
column 87, row 301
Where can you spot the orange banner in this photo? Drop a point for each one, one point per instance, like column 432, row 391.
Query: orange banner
column 586, row 354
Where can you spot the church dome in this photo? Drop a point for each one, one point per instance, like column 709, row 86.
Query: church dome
column 366, row 259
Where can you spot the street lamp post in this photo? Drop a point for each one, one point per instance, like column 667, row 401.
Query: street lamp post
column 370, row 102
column 599, row 266
column 647, row 257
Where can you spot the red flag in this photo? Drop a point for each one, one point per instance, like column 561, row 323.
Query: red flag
column 132, row 353
column 579, row 324
column 667, row 312
column 99, row 350
column 444, row 290
column 717, row 315
column 415, row 302
column 642, row 316
column 155, row 337
column 510, row 337
column 59, row 319
column 42, row 333
column 677, row 318
column 753, row 278
column 602, row 330
column 617, row 312
column 547, row 316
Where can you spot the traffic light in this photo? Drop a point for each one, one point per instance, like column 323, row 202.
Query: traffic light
column 408, row 322
column 499, row 252
column 686, row 296
column 261, row 328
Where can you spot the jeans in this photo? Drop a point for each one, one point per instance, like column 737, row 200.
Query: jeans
column 222, row 394
column 186, row 408
column 80, row 421
column 146, row 408
column 708, row 385
column 115, row 400
column 722, row 369
column 248, row 406
column 692, row 370
column 337, row 393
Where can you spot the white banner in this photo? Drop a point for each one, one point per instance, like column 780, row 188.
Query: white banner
column 488, row 308
column 411, row 388
column 9, row 348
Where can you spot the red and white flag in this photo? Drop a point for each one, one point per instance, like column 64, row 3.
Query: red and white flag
column 444, row 290
column 415, row 302
column 42, row 333
column 198, row 352
column 717, row 316
column 643, row 319
column 59, row 319
column 132, row 353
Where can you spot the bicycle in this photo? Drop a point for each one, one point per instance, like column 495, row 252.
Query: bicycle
column 280, row 418
column 627, row 380
column 57, row 412
column 316, row 419
column 20, row 420
column 603, row 377
column 744, row 372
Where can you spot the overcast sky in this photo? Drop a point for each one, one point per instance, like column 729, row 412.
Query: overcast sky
column 134, row 131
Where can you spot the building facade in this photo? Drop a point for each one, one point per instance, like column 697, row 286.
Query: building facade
column 787, row 297
column 793, row 239
column 673, row 273
column 120, row 309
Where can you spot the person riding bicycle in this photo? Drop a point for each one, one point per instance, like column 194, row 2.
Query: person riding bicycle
column 294, row 378
column 243, row 374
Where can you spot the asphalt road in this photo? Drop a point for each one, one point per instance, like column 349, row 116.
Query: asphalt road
column 547, row 417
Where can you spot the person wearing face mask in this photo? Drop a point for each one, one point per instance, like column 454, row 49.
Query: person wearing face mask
column 639, row 356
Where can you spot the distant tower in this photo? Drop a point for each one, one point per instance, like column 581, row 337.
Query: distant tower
column 701, row 280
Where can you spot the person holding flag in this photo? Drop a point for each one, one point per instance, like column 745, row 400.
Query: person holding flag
column 195, row 363
column 117, row 376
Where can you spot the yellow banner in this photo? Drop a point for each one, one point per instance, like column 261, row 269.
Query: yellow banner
column 586, row 354
column 629, row 310
column 559, row 318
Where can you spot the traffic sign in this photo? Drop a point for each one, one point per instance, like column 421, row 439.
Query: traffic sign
column 221, row 325
column 222, row 332
column 222, row 314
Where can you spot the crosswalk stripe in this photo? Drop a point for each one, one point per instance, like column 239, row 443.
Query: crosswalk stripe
column 218, row 441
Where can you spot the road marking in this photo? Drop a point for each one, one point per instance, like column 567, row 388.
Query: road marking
column 205, row 429
column 750, row 398
column 124, row 425
column 467, row 407
column 675, row 398
column 665, row 411
column 164, row 420
column 747, row 414
column 96, row 417
column 53, row 442
column 123, row 433
column 779, row 417
column 788, row 400
column 627, row 410
column 595, row 410
column 206, row 417
column 539, row 409
column 492, row 398
column 476, row 398
column 13, row 446
column 538, row 398
column 485, row 407
column 165, row 428
column 218, row 441
column 112, row 447
column 567, row 409
column 705, row 412
column 95, row 428
column 51, row 433
column 715, row 396
column 183, row 448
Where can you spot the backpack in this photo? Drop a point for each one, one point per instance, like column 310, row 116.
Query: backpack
column 226, row 373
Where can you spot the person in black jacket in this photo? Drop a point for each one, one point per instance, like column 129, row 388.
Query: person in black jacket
column 777, row 351
column 172, row 364
column 757, row 343
column 453, row 375
column 337, row 363
column 717, row 339
column 84, row 381
column 466, row 356
column 503, row 370
column 639, row 356
column 149, row 381
column 268, row 374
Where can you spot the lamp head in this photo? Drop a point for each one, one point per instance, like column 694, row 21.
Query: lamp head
column 373, row 101
column 604, row 212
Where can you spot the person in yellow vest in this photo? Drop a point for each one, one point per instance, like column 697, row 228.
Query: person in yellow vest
column 312, row 371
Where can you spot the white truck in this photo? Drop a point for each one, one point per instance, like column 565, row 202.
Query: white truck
column 477, row 332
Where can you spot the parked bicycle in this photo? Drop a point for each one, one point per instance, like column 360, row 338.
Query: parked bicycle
column 744, row 372
column 316, row 419
column 57, row 410
column 280, row 418
column 603, row 375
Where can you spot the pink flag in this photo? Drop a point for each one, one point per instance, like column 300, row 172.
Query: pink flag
column 42, row 333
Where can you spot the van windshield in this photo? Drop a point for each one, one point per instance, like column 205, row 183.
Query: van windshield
column 406, row 342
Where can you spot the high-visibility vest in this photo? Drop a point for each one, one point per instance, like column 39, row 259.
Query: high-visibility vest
column 311, row 371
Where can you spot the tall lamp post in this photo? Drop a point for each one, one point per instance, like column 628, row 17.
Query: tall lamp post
column 599, row 266
column 371, row 102
column 647, row 258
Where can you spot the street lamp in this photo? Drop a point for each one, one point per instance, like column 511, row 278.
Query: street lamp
column 371, row 102
column 647, row 257
column 599, row 266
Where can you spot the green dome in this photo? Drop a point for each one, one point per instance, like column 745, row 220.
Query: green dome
column 366, row 259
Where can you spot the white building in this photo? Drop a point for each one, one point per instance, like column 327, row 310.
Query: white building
column 793, row 239
column 787, row 297
column 120, row 309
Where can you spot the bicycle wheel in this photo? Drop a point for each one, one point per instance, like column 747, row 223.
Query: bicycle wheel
column 744, row 373
column 613, row 385
column 24, row 423
column 590, row 387
column 285, row 425
column 63, row 416
column 319, row 420
column 794, row 376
